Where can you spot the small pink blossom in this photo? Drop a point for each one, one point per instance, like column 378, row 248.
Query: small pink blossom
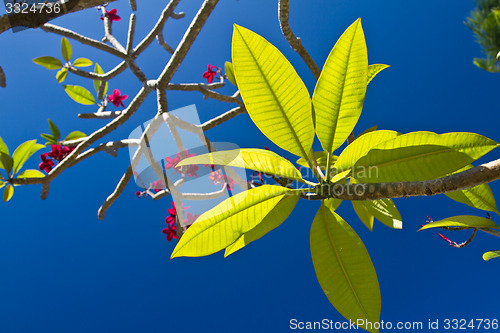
column 116, row 98
column 210, row 73
column 112, row 15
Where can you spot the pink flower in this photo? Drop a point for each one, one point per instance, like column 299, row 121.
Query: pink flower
column 59, row 153
column 192, row 170
column 117, row 98
column 210, row 73
column 230, row 182
column 46, row 163
column 171, row 232
column 215, row 177
column 171, row 162
column 158, row 184
column 190, row 218
column 112, row 15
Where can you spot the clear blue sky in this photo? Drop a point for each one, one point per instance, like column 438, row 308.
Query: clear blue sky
column 63, row 270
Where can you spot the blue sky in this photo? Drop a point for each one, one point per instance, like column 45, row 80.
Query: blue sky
column 63, row 270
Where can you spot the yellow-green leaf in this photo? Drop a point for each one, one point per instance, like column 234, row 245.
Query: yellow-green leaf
column 344, row 268
column 321, row 158
column 274, row 95
column 23, row 152
column 462, row 221
column 54, row 130
column 97, row 83
column 75, row 135
column 374, row 69
column 4, row 150
column 491, row 255
column 227, row 222
column 8, row 192
column 421, row 156
column 363, row 214
column 61, row 75
column 82, row 62
column 340, row 91
column 253, row 159
column 271, row 221
column 480, row 197
column 66, row 50
column 385, row 211
column 6, row 162
column 79, row 94
column 2, row 184
column 31, row 173
column 230, row 72
column 48, row 62
column 357, row 149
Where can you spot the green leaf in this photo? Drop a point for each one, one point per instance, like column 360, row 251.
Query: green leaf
column 421, row 156
column 344, row 268
column 3, row 150
column 6, row 162
column 2, row 184
column 385, row 211
column 254, row 159
column 374, row 69
column 340, row 92
column 50, row 139
column 8, row 192
column 75, row 135
column 332, row 204
column 83, row 62
column 321, row 158
column 272, row 220
column 31, row 173
column 54, row 130
column 368, row 130
column 274, row 95
column 462, row 221
column 61, row 75
column 491, row 255
column 66, row 50
column 48, row 62
column 359, row 147
column 363, row 214
column 79, row 94
column 480, row 197
column 230, row 72
column 23, row 152
column 227, row 222
column 97, row 83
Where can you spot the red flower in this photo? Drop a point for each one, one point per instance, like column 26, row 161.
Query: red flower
column 117, row 98
column 171, row 232
column 192, row 170
column 46, row 163
column 210, row 73
column 112, row 15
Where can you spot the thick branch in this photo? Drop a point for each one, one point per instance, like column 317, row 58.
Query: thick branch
column 460, row 181
column 294, row 41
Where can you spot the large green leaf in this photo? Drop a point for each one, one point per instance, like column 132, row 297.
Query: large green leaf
column 344, row 268
column 374, row 69
column 385, row 211
column 357, row 149
column 31, row 173
column 480, row 197
column 230, row 72
column 274, row 95
column 82, row 62
column 227, row 222
column 363, row 214
column 272, row 220
column 421, row 156
column 8, row 192
column 340, row 91
column 23, row 152
column 321, row 158
column 491, row 255
column 97, row 83
column 253, row 159
column 48, row 62
column 462, row 221
column 79, row 94
column 66, row 50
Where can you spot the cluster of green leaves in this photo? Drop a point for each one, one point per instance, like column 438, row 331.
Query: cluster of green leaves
column 77, row 93
column 12, row 164
column 54, row 137
column 280, row 105
column 484, row 21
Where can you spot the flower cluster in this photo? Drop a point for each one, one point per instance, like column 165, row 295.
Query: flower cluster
column 171, row 220
column 211, row 72
column 171, row 163
column 58, row 153
column 216, row 177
